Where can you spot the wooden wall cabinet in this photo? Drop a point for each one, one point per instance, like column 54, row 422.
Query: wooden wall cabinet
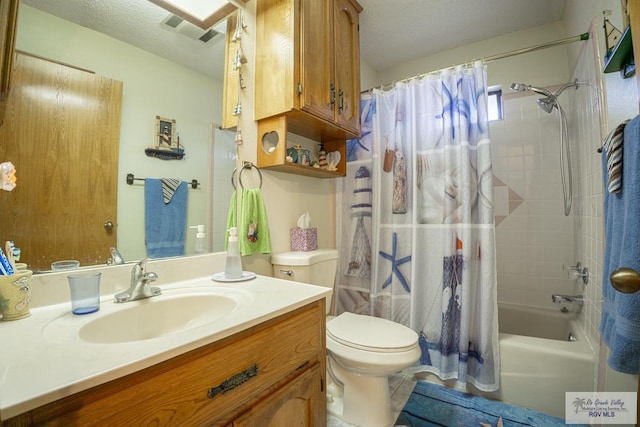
column 283, row 362
column 307, row 76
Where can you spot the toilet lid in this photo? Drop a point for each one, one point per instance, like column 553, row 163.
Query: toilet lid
column 371, row 333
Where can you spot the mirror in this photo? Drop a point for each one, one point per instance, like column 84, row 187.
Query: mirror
column 152, row 86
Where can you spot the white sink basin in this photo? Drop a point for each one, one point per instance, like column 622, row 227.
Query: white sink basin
column 173, row 312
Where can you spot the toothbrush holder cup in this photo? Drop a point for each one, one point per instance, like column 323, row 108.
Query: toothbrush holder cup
column 15, row 295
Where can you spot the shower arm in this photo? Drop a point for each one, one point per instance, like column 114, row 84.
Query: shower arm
column 566, row 86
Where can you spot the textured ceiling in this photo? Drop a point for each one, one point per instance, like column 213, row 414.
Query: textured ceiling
column 138, row 22
column 396, row 31
column 391, row 31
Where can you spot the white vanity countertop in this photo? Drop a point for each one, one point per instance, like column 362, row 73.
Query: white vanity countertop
column 40, row 364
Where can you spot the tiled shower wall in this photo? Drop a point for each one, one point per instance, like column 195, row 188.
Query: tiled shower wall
column 533, row 236
column 586, row 130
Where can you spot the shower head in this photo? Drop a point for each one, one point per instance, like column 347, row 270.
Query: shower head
column 519, row 86
column 524, row 87
column 547, row 103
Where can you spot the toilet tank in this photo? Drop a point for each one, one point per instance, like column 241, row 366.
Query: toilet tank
column 315, row 267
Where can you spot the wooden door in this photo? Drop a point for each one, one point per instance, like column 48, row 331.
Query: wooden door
column 317, row 86
column 61, row 130
column 347, row 63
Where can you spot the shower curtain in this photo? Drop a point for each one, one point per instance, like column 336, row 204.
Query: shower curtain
column 416, row 222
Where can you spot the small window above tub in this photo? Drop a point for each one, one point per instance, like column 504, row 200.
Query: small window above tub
column 494, row 103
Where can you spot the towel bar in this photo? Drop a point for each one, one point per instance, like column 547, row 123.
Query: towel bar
column 130, row 178
column 245, row 165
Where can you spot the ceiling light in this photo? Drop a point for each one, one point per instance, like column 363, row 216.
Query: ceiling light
column 203, row 13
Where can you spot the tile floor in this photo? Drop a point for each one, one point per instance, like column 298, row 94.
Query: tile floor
column 400, row 385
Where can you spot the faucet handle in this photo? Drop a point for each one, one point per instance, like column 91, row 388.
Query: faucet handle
column 577, row 271
column 138, row 270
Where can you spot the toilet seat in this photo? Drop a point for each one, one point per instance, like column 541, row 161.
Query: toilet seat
column 370, row 333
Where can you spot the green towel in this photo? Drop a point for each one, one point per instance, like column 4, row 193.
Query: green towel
column 253, row 229
column 231, row 217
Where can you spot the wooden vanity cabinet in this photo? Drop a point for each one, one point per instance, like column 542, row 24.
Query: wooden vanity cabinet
column 307, row 73
column 263, row 376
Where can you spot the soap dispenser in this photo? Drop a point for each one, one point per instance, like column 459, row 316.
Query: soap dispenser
column 201, row 243
column 233, row 265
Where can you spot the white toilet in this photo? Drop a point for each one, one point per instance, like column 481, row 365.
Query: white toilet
column 362, row 350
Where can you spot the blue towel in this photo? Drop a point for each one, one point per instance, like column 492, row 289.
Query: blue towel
column 165, row 223
column 620, row 325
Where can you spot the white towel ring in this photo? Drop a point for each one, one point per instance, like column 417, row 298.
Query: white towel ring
column 245, row 165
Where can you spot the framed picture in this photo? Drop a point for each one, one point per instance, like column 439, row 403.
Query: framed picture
column 166, row 133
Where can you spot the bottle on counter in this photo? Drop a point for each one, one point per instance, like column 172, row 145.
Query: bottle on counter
column 233, row 264
column 201, row 242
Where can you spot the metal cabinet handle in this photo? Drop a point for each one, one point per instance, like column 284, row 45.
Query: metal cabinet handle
column 332, row 98
column 625, row 280
column 233, row 382
column 340, row 101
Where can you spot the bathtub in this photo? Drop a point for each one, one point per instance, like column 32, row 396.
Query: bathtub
column 543, row 354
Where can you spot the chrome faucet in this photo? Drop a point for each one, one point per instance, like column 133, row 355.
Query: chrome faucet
column 564, row 299
column 116, row 257
column 139, row 288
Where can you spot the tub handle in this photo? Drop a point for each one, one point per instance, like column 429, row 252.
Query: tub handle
column 625, row 280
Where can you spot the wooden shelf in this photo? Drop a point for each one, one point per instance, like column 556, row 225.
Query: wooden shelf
column 622, row 56
column 273, row 154
column 304, row 170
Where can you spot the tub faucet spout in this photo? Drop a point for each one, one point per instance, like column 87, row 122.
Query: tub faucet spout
column 564, row 299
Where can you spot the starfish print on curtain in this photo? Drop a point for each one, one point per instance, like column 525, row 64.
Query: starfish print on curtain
column 395, row 264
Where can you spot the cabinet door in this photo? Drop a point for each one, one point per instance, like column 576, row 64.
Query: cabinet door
column 316, row 60
column 301, row 402
column 347, row 64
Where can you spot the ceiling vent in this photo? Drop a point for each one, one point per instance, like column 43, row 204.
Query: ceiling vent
column 178, row 25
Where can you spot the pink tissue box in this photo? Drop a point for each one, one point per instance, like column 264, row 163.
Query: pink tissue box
column 304, row 239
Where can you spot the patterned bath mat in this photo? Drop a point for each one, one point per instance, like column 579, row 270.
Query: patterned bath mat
column 434, row 405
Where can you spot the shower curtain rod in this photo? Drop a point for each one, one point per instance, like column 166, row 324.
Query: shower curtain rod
column 580, row 37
